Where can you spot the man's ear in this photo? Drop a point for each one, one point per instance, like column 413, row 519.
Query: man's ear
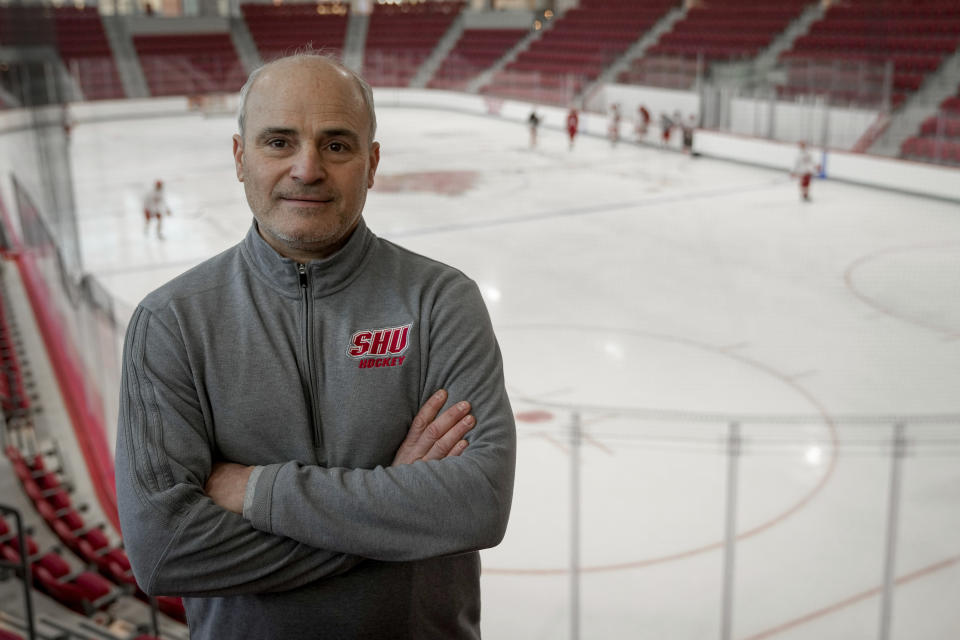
column 238, row 155
column 374, row 161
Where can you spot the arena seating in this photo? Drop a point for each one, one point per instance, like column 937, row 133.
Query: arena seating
column 475, row 51
column 732, row 30
column 845, row 55
column 576, row 49
column 281, row 29
column 14, row 399
column 189, row 64
column 712, row 32
column 85, row 51
column 938, row 139
column 25, row 25
column 50, row 495
column 401, row 37
column 80, row 590
column 51, row 499
column 76, row 33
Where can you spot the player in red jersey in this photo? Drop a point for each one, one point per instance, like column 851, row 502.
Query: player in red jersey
column 573, row 123
column 643, row 122
column 666, row 128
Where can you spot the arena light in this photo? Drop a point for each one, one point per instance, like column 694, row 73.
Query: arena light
column 813, row 456
column 492, row 294
column 614, row 350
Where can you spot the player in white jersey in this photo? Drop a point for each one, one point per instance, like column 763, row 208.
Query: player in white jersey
column 154, row 208
column 613, row 129
column 803, row 170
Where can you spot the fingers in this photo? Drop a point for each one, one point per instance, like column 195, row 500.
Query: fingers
column 439, row 431
column 433, row 435
column 451, row 443
column 425, row 416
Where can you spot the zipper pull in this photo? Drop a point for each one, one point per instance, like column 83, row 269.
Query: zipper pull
column 302, row 270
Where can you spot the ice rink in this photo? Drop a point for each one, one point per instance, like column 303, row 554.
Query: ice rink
column 656, row 298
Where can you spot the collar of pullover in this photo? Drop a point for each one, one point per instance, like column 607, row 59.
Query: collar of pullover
column 324, row 276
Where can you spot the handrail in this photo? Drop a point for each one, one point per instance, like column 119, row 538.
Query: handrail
column 23, row 567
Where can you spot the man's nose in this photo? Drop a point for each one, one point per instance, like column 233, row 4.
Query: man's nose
column 308, row 165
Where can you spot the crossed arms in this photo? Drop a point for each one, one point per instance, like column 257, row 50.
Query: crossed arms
column 180, row 506
column 432, row 436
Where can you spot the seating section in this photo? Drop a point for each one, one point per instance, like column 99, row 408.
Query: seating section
column 280, row 29
column 189, row 64
column 578, row 46
column 712, row 32
column 731, row 30
column 25, row 25
column 475, row 51
column 85, row 51
column 78, row 35
column 401, row 37
column 939, row 137
column 845, row 56
column 89, row 543
column 41, row 477
column 81, row 590
column 14, row 399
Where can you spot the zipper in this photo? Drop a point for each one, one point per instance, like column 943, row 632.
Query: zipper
column 308, row 355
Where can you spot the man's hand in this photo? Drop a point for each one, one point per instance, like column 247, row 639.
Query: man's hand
column 227, row 485
column 432, row 437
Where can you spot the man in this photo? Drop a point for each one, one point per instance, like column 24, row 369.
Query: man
column 643, row 122
column 803, row 170
column 154, row 208
column 573, row 123
column 533, row 122
column 613, row 128
column 687, row 128
column 283, row 458
column 666, row 128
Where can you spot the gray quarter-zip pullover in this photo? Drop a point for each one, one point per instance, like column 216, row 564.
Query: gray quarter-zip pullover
column 315, row 374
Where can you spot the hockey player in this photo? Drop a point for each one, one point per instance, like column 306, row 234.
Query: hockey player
column 573, row 123
column 666, row 128
column 643, row 122
column 154, row 208
column 688, row 127
column 534, row 121
column 803, row 170
column 613, row 131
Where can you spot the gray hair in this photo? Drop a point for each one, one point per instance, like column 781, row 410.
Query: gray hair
column 305, row 53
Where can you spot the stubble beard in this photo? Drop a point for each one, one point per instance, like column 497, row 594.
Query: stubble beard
column 335, row 228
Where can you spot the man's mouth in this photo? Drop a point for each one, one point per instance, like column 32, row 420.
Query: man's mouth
column 306, row 200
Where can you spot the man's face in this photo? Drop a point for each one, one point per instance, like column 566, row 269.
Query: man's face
column 306, row 158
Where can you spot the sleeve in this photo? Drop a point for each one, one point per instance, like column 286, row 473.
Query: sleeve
column 425, row 509
column 178, row 540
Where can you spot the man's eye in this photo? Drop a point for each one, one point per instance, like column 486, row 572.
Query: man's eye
column 276, row 144
column 337, row 147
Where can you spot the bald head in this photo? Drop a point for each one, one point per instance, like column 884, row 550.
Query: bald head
column 299, row 67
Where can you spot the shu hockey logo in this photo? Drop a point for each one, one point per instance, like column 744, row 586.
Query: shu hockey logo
column 380, row 347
